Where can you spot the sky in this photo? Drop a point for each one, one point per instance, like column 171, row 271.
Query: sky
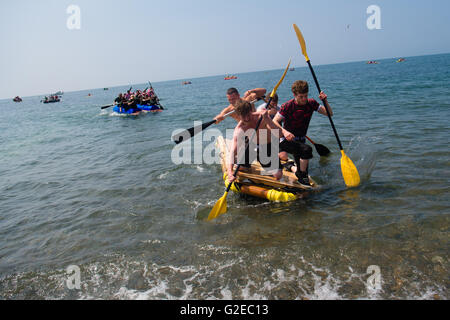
column 131, row 42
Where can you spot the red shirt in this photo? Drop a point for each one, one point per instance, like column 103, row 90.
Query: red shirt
column 296, row 117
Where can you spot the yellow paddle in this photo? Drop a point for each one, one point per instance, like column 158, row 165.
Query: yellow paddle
column 221, row 205
column 349, row 171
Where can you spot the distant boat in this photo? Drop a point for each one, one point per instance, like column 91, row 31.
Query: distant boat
column 105, row 89
column 17, row 99
column 372, row 62
column 186, row 82
column 292, row 69
column 401, row 60
column 51, row 99
column 227, row 77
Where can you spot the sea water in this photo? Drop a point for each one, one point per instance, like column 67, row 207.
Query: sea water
column 81, row 186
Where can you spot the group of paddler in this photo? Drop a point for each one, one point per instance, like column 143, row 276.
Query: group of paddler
column 131, row 101
column 289, row 121
column 51, row 99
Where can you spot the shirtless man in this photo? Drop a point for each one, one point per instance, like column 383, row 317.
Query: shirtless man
column 248, row 119
column 234, row 97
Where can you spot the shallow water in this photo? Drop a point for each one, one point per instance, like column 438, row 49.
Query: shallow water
column 81, row 186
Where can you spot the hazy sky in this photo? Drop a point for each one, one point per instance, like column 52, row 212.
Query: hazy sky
column 123, row 42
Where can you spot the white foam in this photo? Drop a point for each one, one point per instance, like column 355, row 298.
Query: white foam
column 108, row 280
column 163, row 175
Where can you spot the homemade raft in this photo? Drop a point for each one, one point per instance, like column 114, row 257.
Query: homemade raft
column 253, row 182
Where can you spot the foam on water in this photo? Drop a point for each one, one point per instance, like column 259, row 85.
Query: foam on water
column 122, row 278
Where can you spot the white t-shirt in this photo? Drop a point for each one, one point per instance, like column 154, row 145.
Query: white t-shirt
column 263, row 106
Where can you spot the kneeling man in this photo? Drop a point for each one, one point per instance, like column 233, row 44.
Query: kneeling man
column 248, row 120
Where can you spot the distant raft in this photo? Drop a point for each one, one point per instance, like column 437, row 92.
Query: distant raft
column 252, row 181
column 51, row 99
column 136, row 111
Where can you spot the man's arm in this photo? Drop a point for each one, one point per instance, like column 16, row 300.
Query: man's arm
column 231, row 154
column 322, row 109
column 254, row 94
column 277, row 121
column 221, row 116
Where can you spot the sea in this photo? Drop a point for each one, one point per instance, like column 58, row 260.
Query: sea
column 93, row 205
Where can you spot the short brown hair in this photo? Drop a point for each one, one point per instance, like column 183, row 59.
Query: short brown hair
column 243, row 108
column 300, row 86
column 232, row 91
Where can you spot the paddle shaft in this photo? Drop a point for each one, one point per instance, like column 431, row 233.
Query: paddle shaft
column 107, row 106
column 206, row 125
column 157, row 102
column 194, row 130
column 310, row 140
column 325, row 102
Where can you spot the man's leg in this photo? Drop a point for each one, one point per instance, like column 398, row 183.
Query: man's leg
column 277, row 172
column 302, row 153
column 304, row 165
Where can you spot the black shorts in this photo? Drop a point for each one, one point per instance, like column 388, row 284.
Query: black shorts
column 268, row 164
column 297, row 149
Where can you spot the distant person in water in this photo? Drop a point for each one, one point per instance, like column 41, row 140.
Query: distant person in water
column 234, row 97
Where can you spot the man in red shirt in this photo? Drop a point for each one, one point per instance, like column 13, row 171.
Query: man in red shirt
column 296, row 115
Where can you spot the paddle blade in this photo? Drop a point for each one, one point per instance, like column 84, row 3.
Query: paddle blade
column 322, row 150
column 219, row 208
column 281, row 80
column 301, row 40
column 349, row 171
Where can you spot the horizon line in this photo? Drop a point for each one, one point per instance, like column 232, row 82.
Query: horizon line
column 233, row 73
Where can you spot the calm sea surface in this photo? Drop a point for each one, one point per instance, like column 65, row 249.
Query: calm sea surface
column 81, row 186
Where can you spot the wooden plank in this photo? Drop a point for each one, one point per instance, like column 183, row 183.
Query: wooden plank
column 255, row 172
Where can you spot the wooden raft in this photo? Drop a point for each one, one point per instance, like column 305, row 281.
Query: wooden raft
column 253, row 175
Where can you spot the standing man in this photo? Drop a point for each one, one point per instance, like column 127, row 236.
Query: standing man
column 233, row 97
column 296, row 115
